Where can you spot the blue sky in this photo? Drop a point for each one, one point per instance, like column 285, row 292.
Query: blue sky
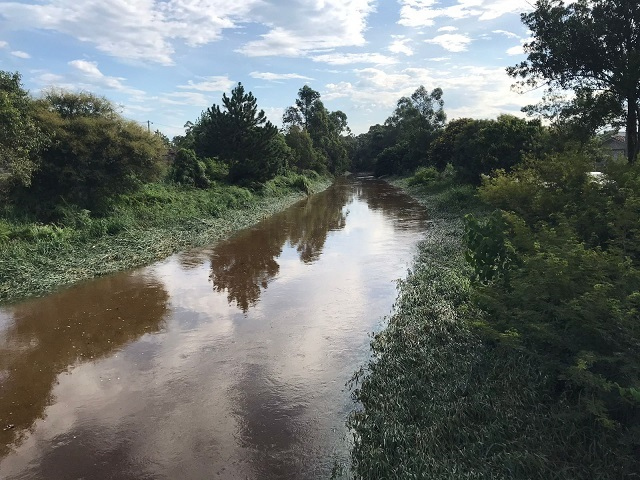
column 167, row 60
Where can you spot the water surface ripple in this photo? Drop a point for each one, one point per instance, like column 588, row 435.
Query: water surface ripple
column 227, row 362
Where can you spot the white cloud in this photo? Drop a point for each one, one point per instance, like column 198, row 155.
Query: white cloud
column 517, row 50
column 148, row 30
column 377, row 88
column 142, row 30
column 497, row 8
column 278, row 76
column 469, row 91
column 309, row 26
column 20, row 54
column 88, row 68
column 274, row 114
column 196, row 99
column 506, row 33
column 3, row 44
column 351, row 58
column 47, row 78
column 453, row 42
column 419, row 13
column 448, row 29
column 89, row 72
column 399, row 45
column 210, row 84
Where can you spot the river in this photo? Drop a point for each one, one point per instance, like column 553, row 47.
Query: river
column 223, row 362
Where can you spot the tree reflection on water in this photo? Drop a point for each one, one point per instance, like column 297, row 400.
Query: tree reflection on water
column 244, row 265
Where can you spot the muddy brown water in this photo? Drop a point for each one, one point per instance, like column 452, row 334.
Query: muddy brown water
column 226, row 362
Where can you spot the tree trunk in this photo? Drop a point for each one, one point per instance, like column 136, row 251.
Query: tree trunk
column 632, row 128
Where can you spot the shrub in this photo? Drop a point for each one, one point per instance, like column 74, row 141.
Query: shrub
column 215, row 170
column 188, row 170
column 94, row 155
column 424, row 175
column 569, row 248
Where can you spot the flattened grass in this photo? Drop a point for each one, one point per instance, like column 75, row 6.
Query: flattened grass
column 148, row 225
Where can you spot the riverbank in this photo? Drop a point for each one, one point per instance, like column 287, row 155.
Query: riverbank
column 439, row 400
column 149, row 225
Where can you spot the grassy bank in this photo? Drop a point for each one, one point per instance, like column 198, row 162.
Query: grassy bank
column 440, row 401
column 150, row 224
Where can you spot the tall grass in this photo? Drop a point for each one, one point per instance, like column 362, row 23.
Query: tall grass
column 438, row 401
column 141, row 227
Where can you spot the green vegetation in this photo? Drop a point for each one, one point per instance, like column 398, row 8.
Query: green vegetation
column 514, row 348
column 86, row 192
column 400, row 145
column 143, row 226
column 591, row 48
column 524, row 367
column 315, row 135
column 241, row 137
column 20, row 137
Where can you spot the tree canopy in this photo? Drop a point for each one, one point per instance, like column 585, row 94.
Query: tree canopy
column 241, row 136
column 20, row 137
column 309, row 117
column 94, row 154
column 402, row 143
column 593, row 48
column 476, row 147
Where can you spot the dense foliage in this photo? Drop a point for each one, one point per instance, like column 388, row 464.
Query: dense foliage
column 476, row 147
column 73, row 151
column 523, row 362
column 21, row 139
column 401, row 144
column 240, row 136
column 80, row 183
column 565, row 283
column 590, row 47
column 94, row 153
column 514, row 348
column 316, row 135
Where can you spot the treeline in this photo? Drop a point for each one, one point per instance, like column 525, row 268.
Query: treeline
column 417, row 135
column 235, row 141
column 66, row 149
column 69, row 149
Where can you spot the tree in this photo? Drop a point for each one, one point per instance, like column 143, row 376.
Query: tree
column 369, row 145
column 476, row 147
column 305, row 156
column 417, row 120
column 301, row 113
column 593, row 48
column 241, row 136
column 94, row 154
column 325, row 129
column 79, row 104
column 186, row 169
column 20, row 137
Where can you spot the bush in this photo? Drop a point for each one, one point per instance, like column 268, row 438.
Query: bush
column 94, row 155
column 188, row 170
column 424, row 175
column 215, row 170
column 561, row 272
